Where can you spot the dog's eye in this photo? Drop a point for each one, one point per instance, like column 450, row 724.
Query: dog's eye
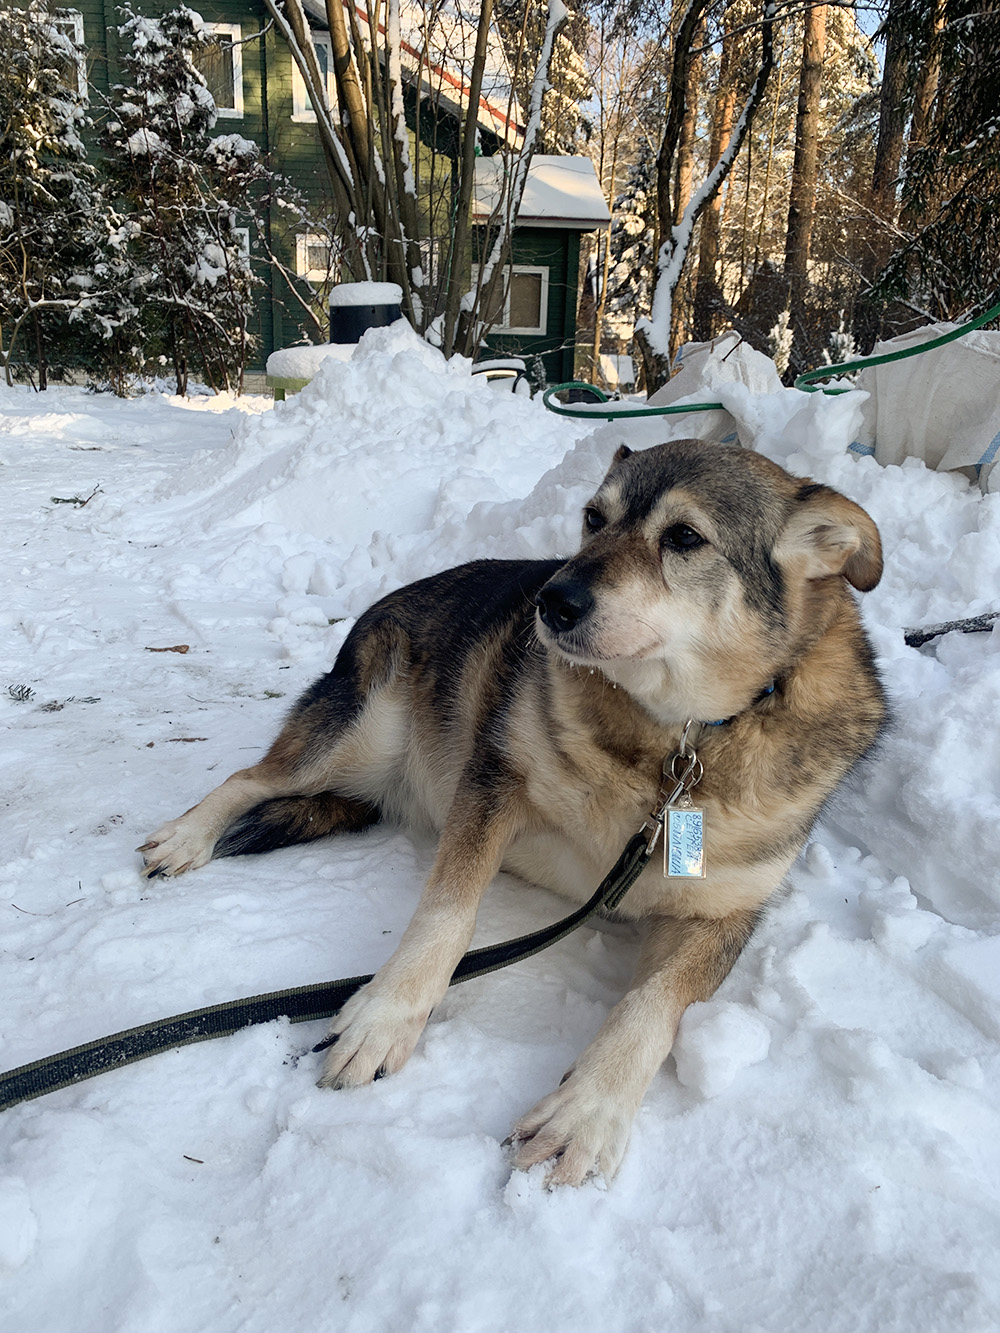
column 593, row 519
column 681, row 537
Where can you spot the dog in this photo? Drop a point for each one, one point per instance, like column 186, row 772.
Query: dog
column 527, row 710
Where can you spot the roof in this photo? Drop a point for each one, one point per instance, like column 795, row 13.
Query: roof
column 559, row 192
column 441, row 56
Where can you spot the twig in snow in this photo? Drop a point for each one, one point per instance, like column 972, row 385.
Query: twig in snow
column 915, row 638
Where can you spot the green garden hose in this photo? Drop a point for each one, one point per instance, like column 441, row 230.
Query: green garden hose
column 804, row 381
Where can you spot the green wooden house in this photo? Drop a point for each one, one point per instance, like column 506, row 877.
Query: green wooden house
column 260, row 95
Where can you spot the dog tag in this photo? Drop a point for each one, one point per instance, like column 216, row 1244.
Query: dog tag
column 683, row 842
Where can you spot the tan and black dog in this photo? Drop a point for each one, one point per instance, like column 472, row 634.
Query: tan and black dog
column 524, row 709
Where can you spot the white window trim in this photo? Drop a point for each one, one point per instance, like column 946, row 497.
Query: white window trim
column 244, row 234
column 74, row 19
column 543, row 304
column 301, row 112
column 234, row 31
column 302, row 243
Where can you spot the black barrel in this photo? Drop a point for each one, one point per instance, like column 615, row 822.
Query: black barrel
column 352, row 310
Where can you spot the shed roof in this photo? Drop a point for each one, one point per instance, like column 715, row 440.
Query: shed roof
column 559, row 192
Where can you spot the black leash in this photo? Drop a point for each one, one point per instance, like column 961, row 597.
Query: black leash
column 301, row 1003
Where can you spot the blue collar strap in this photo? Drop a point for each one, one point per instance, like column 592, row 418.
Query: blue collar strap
column 768, row 690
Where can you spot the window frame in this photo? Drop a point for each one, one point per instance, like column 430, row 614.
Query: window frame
column 302, row 113
column 506, row 327
column 303, row 240
column 235, row 31
column 75, row 18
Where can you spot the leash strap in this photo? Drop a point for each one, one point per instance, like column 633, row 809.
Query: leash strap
column 300, row 1004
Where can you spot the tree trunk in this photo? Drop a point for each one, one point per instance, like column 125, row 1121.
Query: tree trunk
column 602, row 269
column 893, row 109
column 802, row 195
column 708, row 295
column 460, row 236
column 652, row 335
column 923, row 101
column 685, row 166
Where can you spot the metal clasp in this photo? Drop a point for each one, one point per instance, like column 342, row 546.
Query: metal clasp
column 680, row 774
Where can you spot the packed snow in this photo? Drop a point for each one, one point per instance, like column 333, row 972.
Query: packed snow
column 822, row 1152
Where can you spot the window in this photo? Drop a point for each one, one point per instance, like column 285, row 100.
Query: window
column 221, row 66
column 302, row 107
column 313, row 257
column 524, row 305
column 74, row 67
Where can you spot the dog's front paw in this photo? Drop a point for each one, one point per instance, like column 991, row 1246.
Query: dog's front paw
column 583, row 1128
column 181, row 844
column 376, row 1032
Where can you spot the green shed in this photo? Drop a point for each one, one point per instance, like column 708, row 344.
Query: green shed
column 537, row 314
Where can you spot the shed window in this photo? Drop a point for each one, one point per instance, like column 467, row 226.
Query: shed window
column 314, row 257
column 524, row 305
column 220, row 63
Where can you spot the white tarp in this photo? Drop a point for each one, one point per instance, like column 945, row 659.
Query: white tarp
column 942, row 406
column 705, row 369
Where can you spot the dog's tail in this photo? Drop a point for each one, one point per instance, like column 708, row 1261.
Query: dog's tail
column 291, row 819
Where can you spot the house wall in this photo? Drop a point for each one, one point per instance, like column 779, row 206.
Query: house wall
column 291, row 146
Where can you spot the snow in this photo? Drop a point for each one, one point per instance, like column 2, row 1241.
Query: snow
column 820, row 1155
column 365, row 293
column 558, row 192
column 302, row 362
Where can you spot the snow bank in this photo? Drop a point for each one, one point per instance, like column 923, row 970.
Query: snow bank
column 821, row 1153
column 378, row 472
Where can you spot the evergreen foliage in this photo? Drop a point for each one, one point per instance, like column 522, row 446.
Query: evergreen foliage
column 176, row 269
column 46, row 188
column 633, row 231
column 951, row 183
column 566, row 125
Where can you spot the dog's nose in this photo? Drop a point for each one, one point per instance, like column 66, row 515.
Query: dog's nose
column 563, row 604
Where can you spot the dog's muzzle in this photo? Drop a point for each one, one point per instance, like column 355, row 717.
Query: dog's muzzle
column 562, row 603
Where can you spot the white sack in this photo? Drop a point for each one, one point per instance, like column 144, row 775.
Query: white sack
column 706, row 368
column 942, row 406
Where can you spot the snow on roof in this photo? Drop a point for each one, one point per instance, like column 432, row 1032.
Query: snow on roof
column 437, row 45
column 559, row 192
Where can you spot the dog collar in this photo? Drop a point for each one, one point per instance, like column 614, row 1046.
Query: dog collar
column 768, row 690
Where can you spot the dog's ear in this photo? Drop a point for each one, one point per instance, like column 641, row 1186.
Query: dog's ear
column 621, row 453
column 827, row 534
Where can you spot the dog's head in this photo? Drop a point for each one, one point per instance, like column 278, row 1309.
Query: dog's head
column 702, row 568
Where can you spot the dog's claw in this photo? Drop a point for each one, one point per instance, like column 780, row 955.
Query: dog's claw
column 147, row 847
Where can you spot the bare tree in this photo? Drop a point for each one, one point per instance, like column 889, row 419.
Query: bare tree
column 653, row 334
column 365, row 144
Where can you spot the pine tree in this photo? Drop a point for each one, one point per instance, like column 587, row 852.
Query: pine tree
column 46, row 188
column 632, row 241
column 172, row 248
